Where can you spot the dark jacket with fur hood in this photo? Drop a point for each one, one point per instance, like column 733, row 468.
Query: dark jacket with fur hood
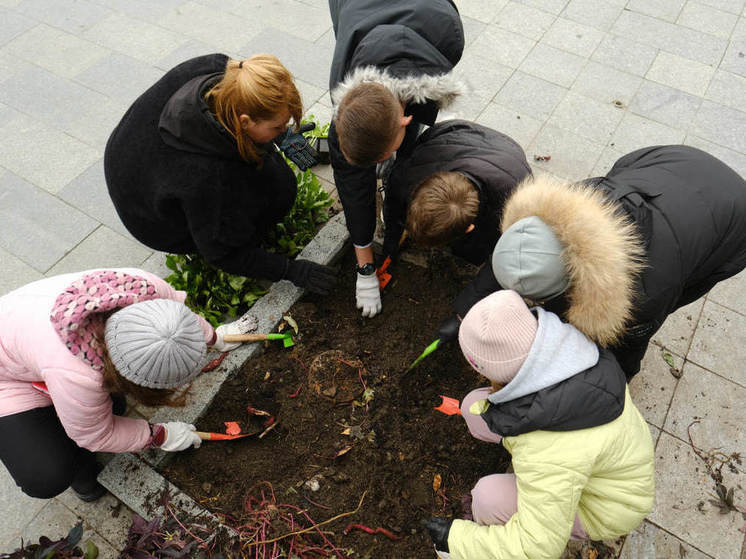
column 409, row 46
column 493, row 163
column 656, row 233
column 179, row 184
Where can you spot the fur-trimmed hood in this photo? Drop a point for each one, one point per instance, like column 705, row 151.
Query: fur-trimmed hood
column 442, row 89
column 603, row 251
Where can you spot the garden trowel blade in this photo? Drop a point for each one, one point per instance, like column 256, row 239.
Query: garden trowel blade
column 428, row 350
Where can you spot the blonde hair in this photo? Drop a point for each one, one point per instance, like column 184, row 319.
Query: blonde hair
column 442, row 208
column 367, row 123
column 260, row 87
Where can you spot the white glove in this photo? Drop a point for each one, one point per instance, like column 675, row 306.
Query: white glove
column 368, row 294
column 180, row 436
column 244, row 324
column 442, row 554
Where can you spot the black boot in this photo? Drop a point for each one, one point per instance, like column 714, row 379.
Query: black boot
column 85, row 484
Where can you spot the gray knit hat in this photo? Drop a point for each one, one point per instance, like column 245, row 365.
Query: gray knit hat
column 156, row 344
column 528, row 259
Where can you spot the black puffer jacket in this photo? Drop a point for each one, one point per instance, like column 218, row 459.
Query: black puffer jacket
column 409, row 46
column 493, row 162
column 179, row 184
column 689, row 209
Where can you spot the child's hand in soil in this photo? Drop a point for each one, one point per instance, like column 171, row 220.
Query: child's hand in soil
column 448, row 330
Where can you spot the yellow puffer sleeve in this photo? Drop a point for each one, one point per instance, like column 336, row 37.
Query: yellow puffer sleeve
column 548, row 495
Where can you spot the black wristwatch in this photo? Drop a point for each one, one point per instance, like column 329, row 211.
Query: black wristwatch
column 366, row 269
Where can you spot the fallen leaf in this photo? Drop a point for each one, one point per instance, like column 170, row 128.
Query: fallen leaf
column 292, row 323
column 345, row 450
column 592, row 553
column 437, row 480
column 668, row 358
column 345, row 432
column 232, row 428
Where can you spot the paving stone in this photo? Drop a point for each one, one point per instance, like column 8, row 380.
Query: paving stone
column 15, row 273
column 551, row 6
column 687, row 43
column 54, row 521
column 572, row 157
column 147, row 10
column 649, row 541
column 553, row 65
column 587, row 117
column 222, row 30
column 57, row 51
column 73, row 16
column 665, row 104
column 156, row 264
column 483, row 78
column 636, row 132
column 625, row 54
column 606, row 161
column 120, row 77
column 734, row 59
column 527, row 94
column 36, row 227
column 573, row 37
column 89, row 194
column 731, row 293
column 501, row 46
column 9, row 3
column 728, row 89
column 716, row 403
column 133, row 37
column 526, row 20
column 732, row 6
column 708, row 20
column 309, row 93
column 105, row 549
column 190, row 49
column 735, row 160
column 739, row 31
column 322, row 113
column 106, row 516
column 481, row 10
column 600, row 15
column 305, row 21
column 676, row 333
column 472, row 29
column 719, row 343
column 102, row 248
column 95, row 124
column 721, row 125
column 18, row 510
column 306, row 60
column 681, row 73
column 14, row 24
column 521, row 127
column 681, row 483
column 606, row 84
column 653, row 387
column 668, row 10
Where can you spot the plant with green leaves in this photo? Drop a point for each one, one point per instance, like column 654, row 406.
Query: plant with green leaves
column 67, row 547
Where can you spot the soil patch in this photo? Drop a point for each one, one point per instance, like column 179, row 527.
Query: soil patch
column 350, row 420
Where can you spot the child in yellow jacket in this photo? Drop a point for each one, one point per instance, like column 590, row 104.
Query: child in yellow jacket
column 582, row 453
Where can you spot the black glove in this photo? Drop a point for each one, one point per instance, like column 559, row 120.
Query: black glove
column 448, row 330
column 439, row 528
column 296, row 148
column 314, row 277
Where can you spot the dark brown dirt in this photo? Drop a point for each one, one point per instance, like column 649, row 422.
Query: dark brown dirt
column 387, row 440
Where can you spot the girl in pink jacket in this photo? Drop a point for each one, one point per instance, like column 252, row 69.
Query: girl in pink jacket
column 87, row 336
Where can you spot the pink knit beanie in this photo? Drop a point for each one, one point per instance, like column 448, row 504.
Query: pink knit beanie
column 496, row 335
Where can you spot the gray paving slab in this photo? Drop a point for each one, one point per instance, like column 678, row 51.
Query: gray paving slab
column 38, row 228
column 147, row 10
column 107, row 516
column 586, row 117
column 526, row 20
column 721, row 125
column 734, row 159
column 653, row 387
column 553, row 65
column 521, row 127
column 481, row 10
column 600, row 15
column 14, row 24
column 551, row 6
column 732, row 6
column 707, row 19
column 73, row 16
column 734, row 59
column 677, row 331
column 120, row 77
column 531, row 95
column 719, row 343
column 483, row 78
column 18, row 510
column 572, row 156
column 666, row 105
column 189, row 49
column 687, row 43
column 667, row 10
column 502, row 46
column 681, row 484
column 636, row 132
column 606, row 84
column 106, row 248
column 55, row 50
column 649, row 541
column 15, row 272
column 730, row 293
column 606, row 161
column 681, row 73
column 727, row 89
column 574, row 37
column 625, row 54
column 310, row 93
column 93, row 125
column 54, row 521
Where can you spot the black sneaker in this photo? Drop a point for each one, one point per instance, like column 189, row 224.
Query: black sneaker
column 93, row 494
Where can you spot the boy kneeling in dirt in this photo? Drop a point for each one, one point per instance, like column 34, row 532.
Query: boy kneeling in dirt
column 581, row 451
column 451, row 189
